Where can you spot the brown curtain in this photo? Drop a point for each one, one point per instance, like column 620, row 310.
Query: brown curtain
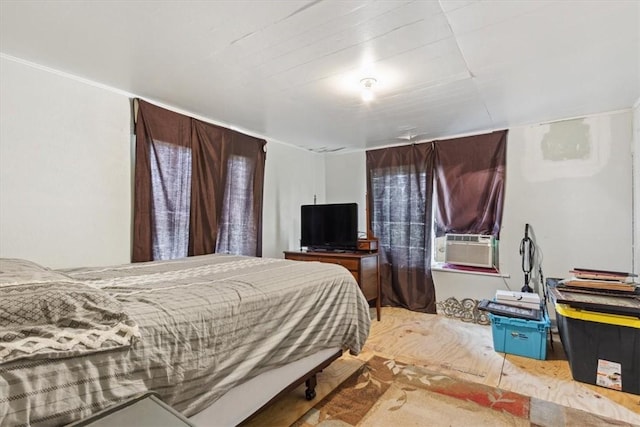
column 469, row 181
column 163, row 141
column 400, row 190
column 207, row 190
column 223, row 206
column 240, row 231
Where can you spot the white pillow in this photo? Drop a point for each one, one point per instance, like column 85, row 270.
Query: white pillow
column 15, row 271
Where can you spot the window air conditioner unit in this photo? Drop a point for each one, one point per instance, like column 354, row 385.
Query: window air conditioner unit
column 476, row 250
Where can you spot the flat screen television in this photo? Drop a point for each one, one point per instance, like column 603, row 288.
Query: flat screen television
column 329, row 226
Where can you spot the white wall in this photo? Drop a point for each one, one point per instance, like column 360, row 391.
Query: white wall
column 351, row 188
column 580, row 209
column 65, row 172
column 636, row 184
column 292, row 177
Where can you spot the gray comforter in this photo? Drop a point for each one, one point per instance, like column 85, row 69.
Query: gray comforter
column 206, row 324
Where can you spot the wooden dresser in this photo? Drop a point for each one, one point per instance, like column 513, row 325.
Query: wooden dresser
column 363, row 266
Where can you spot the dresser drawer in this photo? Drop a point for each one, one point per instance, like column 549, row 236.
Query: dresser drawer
column 350, row 264
column 300, row 257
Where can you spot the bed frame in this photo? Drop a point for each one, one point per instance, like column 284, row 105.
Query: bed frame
column 244, row 402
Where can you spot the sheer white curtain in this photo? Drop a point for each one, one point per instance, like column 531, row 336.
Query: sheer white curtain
column 399, row 212
column 171, row 193
column 237, row 229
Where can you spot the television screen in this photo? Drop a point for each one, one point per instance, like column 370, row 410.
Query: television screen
column 330, row 226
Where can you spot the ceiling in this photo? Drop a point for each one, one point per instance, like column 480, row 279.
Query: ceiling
column 290, row 70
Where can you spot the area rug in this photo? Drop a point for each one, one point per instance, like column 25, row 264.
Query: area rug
column 384, row 392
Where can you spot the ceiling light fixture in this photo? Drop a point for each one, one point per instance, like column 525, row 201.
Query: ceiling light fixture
column 367, row 91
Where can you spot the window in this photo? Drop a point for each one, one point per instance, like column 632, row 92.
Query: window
column 466, row 174
column 171, row 192
column 399, row 212
column 469, row 188
column 198, row 187
column 237, row 227
column 400, row 187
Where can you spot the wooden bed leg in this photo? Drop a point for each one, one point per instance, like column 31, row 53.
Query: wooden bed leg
column 310, row 392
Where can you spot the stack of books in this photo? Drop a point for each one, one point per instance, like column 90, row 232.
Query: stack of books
column 601, row 280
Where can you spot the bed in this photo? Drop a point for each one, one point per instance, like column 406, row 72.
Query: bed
column 216, row 336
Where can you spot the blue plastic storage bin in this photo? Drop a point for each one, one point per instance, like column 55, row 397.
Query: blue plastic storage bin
column 523, row 337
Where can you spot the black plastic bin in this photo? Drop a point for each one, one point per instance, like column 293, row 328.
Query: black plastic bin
column 603, row 349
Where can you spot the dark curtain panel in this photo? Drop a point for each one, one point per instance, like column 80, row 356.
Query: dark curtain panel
column 162, row 182
column 227, row 199
column 210, row 153
column 240, row 231
column 400, row 190
column 469, row 181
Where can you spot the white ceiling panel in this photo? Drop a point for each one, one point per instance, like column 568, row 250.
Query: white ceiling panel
column 319, row 23
column 341, row 73
column 451, row 5
column 290, row 70
column 557, row 28
column 394, row 33
column 455, row 107
column 576, row 84
column 477, row 15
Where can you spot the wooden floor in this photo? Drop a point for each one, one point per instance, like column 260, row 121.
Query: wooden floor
column 463, row 350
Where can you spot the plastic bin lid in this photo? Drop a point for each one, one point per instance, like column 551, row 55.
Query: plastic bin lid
column 593, row 316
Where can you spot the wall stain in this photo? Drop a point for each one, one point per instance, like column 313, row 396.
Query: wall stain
column 566, row 140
